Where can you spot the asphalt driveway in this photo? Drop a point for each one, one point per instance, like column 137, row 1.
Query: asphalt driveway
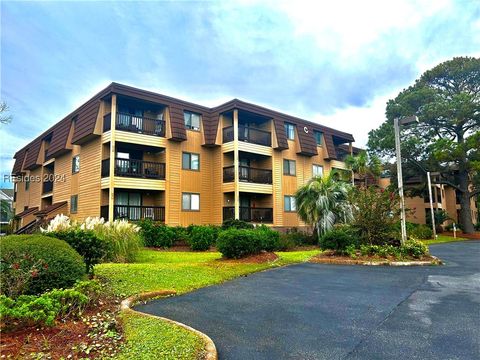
column 315, row 311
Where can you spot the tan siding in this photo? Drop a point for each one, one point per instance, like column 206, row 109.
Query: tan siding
column 89, row 180
column 62, row 188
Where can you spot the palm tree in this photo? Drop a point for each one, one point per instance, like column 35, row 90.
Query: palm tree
column 323, row 202
column 363, row 165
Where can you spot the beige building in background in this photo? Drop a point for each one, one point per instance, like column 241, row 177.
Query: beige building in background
column 134, row 154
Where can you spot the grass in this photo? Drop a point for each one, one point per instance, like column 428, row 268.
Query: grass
column 149, row 339
column 182, row 271
column 443, row 239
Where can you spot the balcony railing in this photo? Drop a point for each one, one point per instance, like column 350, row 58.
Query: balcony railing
column 248, row 174
column 47, row 187
column 139, row 124
column 135, row 213
column 248, row 134
column 250, row 214
column 135, row 168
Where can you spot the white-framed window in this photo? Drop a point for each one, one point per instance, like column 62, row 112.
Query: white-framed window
column 190, row 202
column 190, row 161
column 192, row 120
column 318, row 137
column 75, row 164
column 317, row 170
column 289, row 167
column 289, row 203
column 73, row 203
column 290, row 131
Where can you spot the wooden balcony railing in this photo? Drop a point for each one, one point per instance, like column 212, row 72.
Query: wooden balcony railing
column 135, row 168
column 248, row 174
column 248, row 134
column 47, row 187
column 140, row 124
column 135, row 213
column 249, row 214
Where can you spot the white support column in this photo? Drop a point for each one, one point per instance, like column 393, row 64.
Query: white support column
column 236, row 161
column 111, row 183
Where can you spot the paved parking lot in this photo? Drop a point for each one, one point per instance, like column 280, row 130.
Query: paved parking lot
column 315, row 311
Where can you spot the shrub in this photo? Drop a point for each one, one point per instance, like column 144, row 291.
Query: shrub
column 86, row 243
column 61, row 265
column 383, row 251
column 421, row 232
column 338, row 239
column 181, row 234
column 201, row 237
column 415, row 249
column 269, row 239
column 236, row 224
column 156, row 235
column 236, row 243
column 44, row 309
column 376, row 213
column 286, row 242
column 301, row 238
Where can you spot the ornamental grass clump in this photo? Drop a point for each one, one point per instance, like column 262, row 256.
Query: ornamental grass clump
column 123, row 240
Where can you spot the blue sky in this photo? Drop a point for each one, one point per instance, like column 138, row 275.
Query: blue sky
column 334, row 62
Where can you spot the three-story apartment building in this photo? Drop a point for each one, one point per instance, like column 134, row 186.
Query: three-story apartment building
column 130, row 153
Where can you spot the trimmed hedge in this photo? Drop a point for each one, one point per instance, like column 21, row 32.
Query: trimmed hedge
column 156, row 235
column 339, row 239
column 422, row 232
column 202, row 237
column 269, row 239
column 237, row 243
column 236, row 224
column 33, row 264
column 86, row 243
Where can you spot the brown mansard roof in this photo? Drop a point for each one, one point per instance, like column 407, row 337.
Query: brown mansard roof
column 50, row 208
column 86, row 117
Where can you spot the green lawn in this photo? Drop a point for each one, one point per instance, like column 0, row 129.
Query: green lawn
column 182, row 272
column 443, row 239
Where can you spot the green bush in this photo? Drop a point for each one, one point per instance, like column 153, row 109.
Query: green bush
column 414, row 249
column 286, row 243
column 422, row 232
column 44, row 309
column 86, row 243
column 236, row 224
column 338, row 239
column 383, row 251
column 236, row 243
column 202, row 237
column 181, row 234
column 156, row 235
column 60, row 264
column 269, row 239
column 301, row 238
column 376, row 213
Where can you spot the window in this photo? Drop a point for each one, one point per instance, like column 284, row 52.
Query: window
column 192, row 120
column 317, row 170
column 289, row 167
column 27, row 183
column 73, row 203
column 190, row 161
column 318, row 137
column 75, row 164
column 289, row 203
column 191, row 202
column 290, row 131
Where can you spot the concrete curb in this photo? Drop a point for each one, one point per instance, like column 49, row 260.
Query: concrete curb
column 434, row 261
column 210, row 349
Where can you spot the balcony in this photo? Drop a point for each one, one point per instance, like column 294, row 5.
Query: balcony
column 247, row 174
column 136, row 124
column 248, row 134
column 47, row 187
column 249, row 214
column 135, row 168
column 135, row 213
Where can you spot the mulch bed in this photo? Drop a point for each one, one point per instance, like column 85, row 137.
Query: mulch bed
column 253, row 259
column 330, row 257
column 474, row 236
column 95, row 334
